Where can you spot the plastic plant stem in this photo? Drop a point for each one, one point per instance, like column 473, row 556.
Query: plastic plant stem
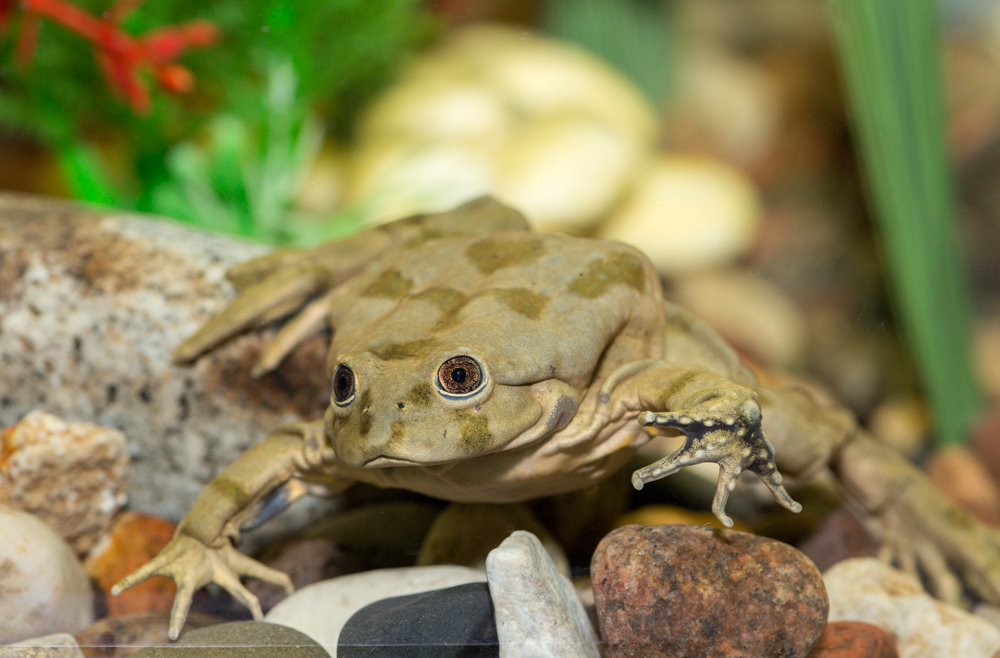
column 890, row 58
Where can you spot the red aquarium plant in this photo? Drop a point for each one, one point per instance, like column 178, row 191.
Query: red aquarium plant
column 121, row 56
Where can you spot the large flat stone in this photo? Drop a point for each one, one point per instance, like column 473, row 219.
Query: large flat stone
column 91, row 307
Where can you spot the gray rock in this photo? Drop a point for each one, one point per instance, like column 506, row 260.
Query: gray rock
column 239, row 639
column 91, row 307
column 538, row 614
column 60, row 645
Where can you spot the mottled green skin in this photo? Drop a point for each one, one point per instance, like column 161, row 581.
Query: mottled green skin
column 582, row 358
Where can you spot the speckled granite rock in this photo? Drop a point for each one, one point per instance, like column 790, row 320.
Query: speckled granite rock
column 865, row 589
column 59, row 645
column 538, row 614
column 43, row 587
column 70, row 475
column 678, row 590
column 239, row 639
column 853, row 639
column 91, row 307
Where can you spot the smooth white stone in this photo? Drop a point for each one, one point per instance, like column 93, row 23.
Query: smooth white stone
column 867, row 590
column 538, row 613
column 321, row 610
column 59, row 645
column 43, row 587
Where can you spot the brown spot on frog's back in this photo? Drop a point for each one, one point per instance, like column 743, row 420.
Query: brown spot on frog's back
column 421, row 395
column 474, row 428
column 411, row 349
column 528, row 303
column 617, row 268
column 446, row 299
column 496, row 252
column 391, row 284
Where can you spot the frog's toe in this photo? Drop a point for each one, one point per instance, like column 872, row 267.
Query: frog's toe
column 249, row 307
column 313, row 319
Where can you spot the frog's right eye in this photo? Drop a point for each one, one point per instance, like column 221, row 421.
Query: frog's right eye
column 343, row 385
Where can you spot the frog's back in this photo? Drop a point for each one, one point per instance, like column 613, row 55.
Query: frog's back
column 541, row 305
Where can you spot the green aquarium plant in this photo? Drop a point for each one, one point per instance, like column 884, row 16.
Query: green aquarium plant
column 264, row 80
column 891, row 60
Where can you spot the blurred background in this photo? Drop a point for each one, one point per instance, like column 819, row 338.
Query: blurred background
column 822, row 192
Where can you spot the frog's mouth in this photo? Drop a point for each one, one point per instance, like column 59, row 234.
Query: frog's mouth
column 384, row 462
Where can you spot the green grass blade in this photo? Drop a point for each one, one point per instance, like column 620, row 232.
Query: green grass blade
column 890, row 54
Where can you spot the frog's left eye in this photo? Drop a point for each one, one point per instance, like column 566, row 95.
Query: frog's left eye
column 343, row 385
column 460, row 376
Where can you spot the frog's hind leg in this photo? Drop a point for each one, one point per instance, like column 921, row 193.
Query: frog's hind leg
column 919, row 529
column 283, row 282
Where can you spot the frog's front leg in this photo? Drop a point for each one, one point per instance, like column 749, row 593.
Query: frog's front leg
column 202, row 549
column 722, row 422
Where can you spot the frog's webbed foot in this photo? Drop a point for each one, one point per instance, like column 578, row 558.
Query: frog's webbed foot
column 725, row 433
column 192, row 565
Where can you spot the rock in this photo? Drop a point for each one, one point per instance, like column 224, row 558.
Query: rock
column 986, row 354
column 456, row 622
column 851, row 639
column 374, row 536
column 671, row 515
column 730, row 102
column 43, row 587
column 450, row 542
column 901, row 423
column 839, row 537
column 238, row 639
column 306, row 561
column 565, row 173
column 990, row 613
column 687, row 213
column 122, row 636
column 91, row 307
column 134, row 540
column 963, row 478
column 538, row 613
column 683, row 591
column 748, row 311
column 70, row 475
column 59, row 645
column 321, row 610
column 865, row 589
column 986, row 440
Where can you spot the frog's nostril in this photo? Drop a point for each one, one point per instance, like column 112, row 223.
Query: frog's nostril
column 401, row 405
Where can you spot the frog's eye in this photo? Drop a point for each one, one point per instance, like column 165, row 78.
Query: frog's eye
column 461, row 376
column 343, row 385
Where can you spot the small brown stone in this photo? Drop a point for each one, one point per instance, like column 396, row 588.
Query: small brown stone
column 677, row 590
column 134, row 540
column 854, row 639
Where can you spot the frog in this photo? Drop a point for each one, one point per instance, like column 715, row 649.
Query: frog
column 475, row 360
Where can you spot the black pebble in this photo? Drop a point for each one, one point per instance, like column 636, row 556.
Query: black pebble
column 456, row 622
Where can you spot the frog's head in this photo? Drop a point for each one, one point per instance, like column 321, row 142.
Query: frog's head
column 425, row 402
